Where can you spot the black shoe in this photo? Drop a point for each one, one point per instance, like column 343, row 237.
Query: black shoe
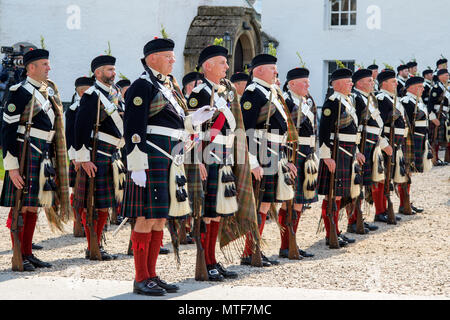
column 27, row 265
column 342, row 242
column 38, row 263
column 225, row 273
column 305, row 254
column 163, row 250
column 284, row 253
column 382, row 217
column 107, row 256
column 370, row 226
column 189, row 240
column 272, row 262
column 213, row 274
column 401, row 211
column 247, row 261
column 351, row 228
column 307, row 206
column 416, row 209
column 170, row 288
column 348, row 240
column 148, row 288
column 397, row 218
column 36, row 247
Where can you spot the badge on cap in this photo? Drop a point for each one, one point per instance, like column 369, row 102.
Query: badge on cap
column 136, row 138
column 247, row 105
column 137, row 101
column 327, row 112
column 193, row 102
column 51, row 92
column 11, row 107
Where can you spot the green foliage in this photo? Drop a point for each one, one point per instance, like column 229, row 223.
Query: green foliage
column 402, row 62
column 302, row 63
column 246, row 69
column 218, row 42
column 122, row 76
column 360, row 66
column 42, row 42
column 387, row 66
column 340, row 64
column 108, row 51
column 163, row 32
column 2, row 170
column 272, row 50
column 374, row 61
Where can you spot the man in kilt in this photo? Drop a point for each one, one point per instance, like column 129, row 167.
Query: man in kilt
column 154, row 124
column 367, row 110
column 402, row 76
column 342, row 84
column 47, row 143
column 81, row 85
column 439, row 95
column 386, row 98
column 417, row 113
column 109, row 142
column 218, row 137
column 266, row 150
column 374, row 69
column 303, row 113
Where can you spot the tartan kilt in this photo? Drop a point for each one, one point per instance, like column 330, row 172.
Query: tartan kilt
column 153, row 201
column 72, row 175
column 399, row 140
column 270, row 167
column 30, row 199
column 419, row 149
column 441, row 137
column 368, row 153
column 212, row 181
column 104, row 196
column 343, row 173
column 300, row 165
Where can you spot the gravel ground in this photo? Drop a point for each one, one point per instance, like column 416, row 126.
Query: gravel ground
column 410, row 258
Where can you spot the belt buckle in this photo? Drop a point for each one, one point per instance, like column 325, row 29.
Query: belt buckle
column 50, row 136
column 178, row 159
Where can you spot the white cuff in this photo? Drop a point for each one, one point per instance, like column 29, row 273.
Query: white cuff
column 10, row 162
column 137, row 160
column 83, row 155
column 432, row 116
column 324, row 152
column 253, row 161
column 72, row 153
column 383, row 142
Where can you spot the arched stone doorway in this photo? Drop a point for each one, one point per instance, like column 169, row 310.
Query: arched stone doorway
column 213, row 22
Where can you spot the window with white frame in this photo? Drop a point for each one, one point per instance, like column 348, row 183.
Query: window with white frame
column 332, row 66
column 342, row 13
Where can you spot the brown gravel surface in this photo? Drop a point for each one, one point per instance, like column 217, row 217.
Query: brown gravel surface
column 410, row 258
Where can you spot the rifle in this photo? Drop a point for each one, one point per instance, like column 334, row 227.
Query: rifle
column 259, row 191
column 356, row 203
column 387, row 183
column 78, row 230
column 332, row 206
column 17, row 219
column 90, row 205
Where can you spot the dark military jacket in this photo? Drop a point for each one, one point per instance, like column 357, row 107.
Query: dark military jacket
column 421, row 118
column 14, row 115
column 111, row 122
column 438, row 95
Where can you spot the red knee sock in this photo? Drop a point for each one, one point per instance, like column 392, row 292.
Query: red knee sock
column 335, row 216
column 249, row 239
column 351, row 214
column 86, row 228
column 214, row 232
column 153, row 252
column 140, row 245
column 436, row 150
column 284, row 233
column 101, row 222
column 402, row 194
column 8, row 225
column 205, row 242
column 28, row 232
column 377, row 196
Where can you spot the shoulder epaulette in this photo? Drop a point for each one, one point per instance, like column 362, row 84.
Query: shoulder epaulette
column 199, row 88
column 15, row 87
column 90, row 90
column 251, row 87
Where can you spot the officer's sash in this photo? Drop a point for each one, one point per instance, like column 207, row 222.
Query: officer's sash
column 263, row 113
column 111, row 110
column 42, row 103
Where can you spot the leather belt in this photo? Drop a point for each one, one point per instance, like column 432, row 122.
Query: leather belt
column 179, row 134
column 37, row 133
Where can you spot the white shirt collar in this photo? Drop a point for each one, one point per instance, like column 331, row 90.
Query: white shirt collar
column 103, row 86
column 294, row 95
column 262, row 82
column 34, row 82
column 388, row 93
column 156, row 73
column 365, row 94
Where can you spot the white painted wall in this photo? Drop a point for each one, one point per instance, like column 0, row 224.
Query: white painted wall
column 409, row 29
column 128, row 25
